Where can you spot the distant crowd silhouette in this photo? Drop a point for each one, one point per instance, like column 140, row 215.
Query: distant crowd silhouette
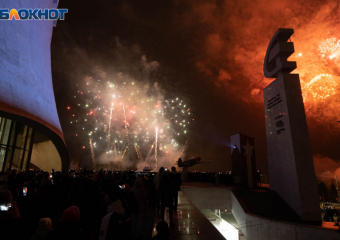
column 87, row 205
column 216, row 178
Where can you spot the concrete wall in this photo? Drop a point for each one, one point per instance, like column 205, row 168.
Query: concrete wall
column 209, row 198
column 257, row 228
column 46, row 156
column 290, row 160
column 26, row 88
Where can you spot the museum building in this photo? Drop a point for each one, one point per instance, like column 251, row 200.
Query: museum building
column 30, row 131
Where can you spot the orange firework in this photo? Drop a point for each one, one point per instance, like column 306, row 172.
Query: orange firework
column 330, row 48
column 320, row 87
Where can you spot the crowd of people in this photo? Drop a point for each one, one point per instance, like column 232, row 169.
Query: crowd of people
column 85, row 204
column 216, row 178
column 330, row 214
column 96, row 205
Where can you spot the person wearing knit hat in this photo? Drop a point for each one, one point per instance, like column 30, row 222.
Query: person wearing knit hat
column 70, row 226
column 45, row 223
column 71, row 214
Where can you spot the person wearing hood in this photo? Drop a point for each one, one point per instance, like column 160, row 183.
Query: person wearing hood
column 45, row 226
column 113, row 224
column 139, row 193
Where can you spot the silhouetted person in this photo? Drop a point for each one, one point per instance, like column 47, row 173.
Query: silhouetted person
column 11, row 224
column 217, row 179
column 176, row 181
column 163, row 231
column 70, row 227
column 113, row 224
column 45, row 226
column 212, row 179
column 88, row 199
column 166, row 195
column 157, row 183
column 139, row 193
column 258, row 177
column 228, row 179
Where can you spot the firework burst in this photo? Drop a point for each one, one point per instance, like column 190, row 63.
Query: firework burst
column 320, row 87
column 330, row 48
column 318, row 79
column 126, row 121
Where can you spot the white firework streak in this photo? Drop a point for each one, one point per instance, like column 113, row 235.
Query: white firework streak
column 156, row 144
column 109, row 132
column 92, row 153
column 147, row 156
column 184, row 148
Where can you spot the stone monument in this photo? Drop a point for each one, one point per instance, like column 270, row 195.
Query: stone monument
column 290, row 162
column 243, row 160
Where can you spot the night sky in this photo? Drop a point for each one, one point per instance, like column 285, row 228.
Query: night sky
column 211, row 52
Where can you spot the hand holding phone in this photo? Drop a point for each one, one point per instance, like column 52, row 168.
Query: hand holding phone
column 4, row 207
column 13, row 211
column 24, row 191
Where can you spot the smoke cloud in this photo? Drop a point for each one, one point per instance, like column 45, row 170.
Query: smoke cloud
column 326, row 169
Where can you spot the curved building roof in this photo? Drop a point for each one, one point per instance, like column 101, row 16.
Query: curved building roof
column 26, row 88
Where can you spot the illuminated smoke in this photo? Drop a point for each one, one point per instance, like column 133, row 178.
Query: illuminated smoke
column 232, row 54
column 326, row 168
